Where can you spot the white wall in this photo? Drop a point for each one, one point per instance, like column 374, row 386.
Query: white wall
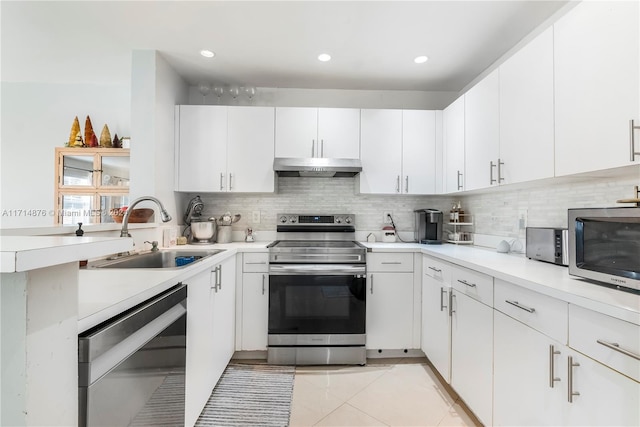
column 155, row 89
column 36, row 118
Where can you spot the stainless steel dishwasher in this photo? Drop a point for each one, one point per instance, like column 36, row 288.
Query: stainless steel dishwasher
column 131, row 367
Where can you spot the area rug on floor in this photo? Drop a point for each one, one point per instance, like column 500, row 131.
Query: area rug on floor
column 250, row 395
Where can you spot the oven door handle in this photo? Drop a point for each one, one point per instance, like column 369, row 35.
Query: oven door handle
column 316, row 269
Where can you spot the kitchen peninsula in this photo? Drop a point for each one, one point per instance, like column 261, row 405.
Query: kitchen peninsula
column 39, row 325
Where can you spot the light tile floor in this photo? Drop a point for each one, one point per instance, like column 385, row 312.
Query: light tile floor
column 385, row 392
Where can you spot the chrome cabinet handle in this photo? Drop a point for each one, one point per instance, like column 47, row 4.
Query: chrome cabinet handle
column 520, row 306
column 616, row 347
column 437, row 270
column 398, row 184
column 459, row 176
column 491, row 166
column 632, row 141
column 442, row 292
column 391, row 262
column 371, row 280
column 221, row 179
column 500, row 164
column 406, row 184
column 464, row 282
column 256, row 262
column 313, row 148
column 264, row 277
column 322, row 148
column 214, row 286
column 552, row 375
column 230, row 181
column 451, row 310
column 570, row 392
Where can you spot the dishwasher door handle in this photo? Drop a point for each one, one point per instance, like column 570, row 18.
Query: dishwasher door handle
column 98, row 354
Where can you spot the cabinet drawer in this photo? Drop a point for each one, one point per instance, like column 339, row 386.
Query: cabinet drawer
column 477, row 285
column 437, row 269
column 390, row 261
column 606, row 339
column 255, row 262
column 543, row 313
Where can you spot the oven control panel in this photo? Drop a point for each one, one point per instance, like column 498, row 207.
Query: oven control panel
column 305, row 220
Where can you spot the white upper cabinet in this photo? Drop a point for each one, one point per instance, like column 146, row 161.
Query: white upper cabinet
column 418, row 152
column 381, row 138
column 250, row 149
column 398, row 151
column 453, row 152
column 597, row 89
column 482, row 132
column 222, row 149
column 201, row 147
column 317, row 132
column 526, row 112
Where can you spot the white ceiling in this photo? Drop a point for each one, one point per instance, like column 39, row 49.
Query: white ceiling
column 268, row 44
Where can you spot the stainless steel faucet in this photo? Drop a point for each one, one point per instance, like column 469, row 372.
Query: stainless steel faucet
column 164, row 215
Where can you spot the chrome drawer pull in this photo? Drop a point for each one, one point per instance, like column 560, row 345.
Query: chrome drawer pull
column 264, row 277
column 616, row 347
column 552, row 375
column 391, row 262
column 521, row 307
column 437, row 270
column 464, row 282
column 261, row 262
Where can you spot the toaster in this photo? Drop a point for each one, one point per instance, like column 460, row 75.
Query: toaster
column 548, row 245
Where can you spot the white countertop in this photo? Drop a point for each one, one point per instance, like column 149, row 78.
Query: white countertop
column 549, row 279
column 104, row 293
column 24, row 253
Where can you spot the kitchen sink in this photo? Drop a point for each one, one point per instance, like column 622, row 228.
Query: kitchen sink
column 165, row 259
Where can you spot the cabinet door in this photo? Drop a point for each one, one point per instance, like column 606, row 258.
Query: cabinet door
column 381, row 151
column 482, row 132
column 255, row 311
column 526, row 112
column 418, row 152
column 390, row 311
column 597, row 89
column 436, row 330
column 201, row 148
column 296, row 132
column 606, row 396
column 224, row 317
column 453, row 135
column 250, row 149
column 523, row 364
column 199, row 379
column 472, row 354
column 339, row 133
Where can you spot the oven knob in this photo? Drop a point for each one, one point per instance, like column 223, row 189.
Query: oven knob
column 283, row 219
column 293, row 220
column 348, row 220
column 338, row 220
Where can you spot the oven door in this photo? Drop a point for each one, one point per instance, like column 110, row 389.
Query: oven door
column 318, row 299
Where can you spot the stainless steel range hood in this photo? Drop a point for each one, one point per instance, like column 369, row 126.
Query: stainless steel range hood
column 316, row 167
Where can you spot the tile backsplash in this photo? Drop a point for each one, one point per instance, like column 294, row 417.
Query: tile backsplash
column 496, row 212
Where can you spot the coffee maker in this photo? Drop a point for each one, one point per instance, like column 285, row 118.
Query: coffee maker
column 428, row 227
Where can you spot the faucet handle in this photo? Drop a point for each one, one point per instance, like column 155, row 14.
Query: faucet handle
column 154, row 245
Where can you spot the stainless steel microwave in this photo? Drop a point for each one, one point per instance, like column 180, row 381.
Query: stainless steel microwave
column 604, row 245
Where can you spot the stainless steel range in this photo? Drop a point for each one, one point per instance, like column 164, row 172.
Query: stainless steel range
column 317, row 298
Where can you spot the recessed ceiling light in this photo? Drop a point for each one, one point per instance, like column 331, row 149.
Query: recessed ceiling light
column 207, row 53
column 420, row 59
column 324, row 57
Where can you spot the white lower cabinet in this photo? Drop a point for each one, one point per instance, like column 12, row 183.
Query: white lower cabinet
column 539, row 380
column 210, row 333
column 255, row 302
column 525, row 361
column 390, row 301
column 472, row 354
column 436, row 325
